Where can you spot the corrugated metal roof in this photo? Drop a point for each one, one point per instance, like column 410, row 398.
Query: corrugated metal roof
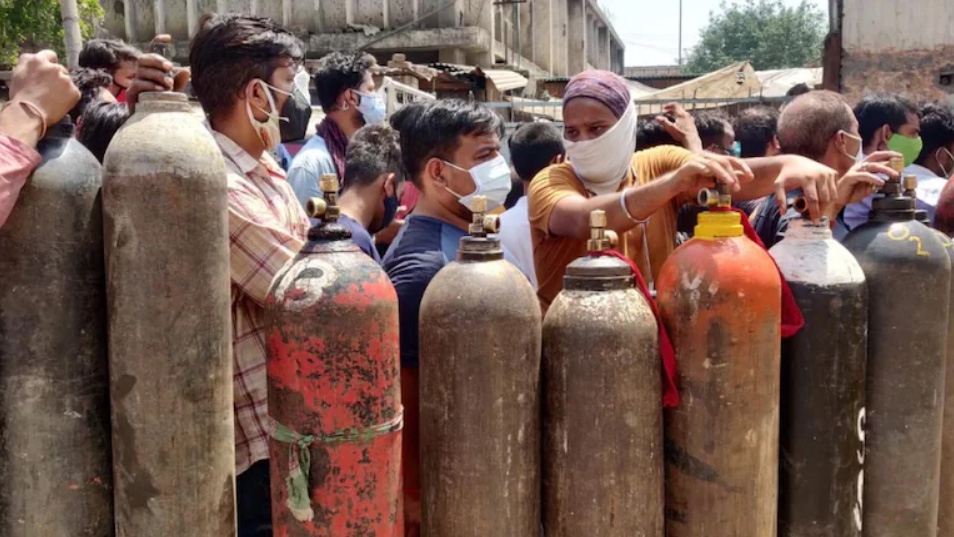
column 506, row 80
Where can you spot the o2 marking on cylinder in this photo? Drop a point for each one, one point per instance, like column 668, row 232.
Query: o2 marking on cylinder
column 905, row 235
column 859, row 504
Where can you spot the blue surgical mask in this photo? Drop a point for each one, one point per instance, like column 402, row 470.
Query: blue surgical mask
column 372, row 108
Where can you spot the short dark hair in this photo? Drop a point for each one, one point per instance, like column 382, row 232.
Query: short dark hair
column 372, row 151
column 937, row 129
column 231, row 50
column 533, row 147
column 98, row 124
column 754, row 130
column 711, row 127
column 339, row 72
column 876, row 110
column 798, row 89
column 107, row 54
column 434, row 129
column 90, row 83
column 650, row 134
column 809, row 122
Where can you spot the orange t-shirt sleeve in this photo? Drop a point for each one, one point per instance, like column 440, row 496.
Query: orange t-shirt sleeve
column 546, row 190
column 658, row 161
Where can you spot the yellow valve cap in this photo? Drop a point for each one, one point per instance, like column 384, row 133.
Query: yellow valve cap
column 719, row 224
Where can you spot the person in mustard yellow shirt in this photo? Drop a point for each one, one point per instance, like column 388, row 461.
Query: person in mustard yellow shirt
column 642, row 192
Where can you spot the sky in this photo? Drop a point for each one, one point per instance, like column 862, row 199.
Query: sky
column 650, row 28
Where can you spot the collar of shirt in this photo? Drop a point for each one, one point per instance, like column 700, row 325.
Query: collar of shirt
column 920, row 171
column 241, row 161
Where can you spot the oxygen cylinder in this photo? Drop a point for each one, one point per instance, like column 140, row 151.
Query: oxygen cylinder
column 334, row 393
column 822, row 451
column 167, row 288
column 480, row 410
column 946, row 495
column 909, row 284
column 720, row 298
column 55, row 469
column 602, row 475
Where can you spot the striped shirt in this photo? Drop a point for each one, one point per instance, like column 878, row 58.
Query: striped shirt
column 267, row 228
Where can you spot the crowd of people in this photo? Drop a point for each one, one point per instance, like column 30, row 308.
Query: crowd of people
column 407, row 184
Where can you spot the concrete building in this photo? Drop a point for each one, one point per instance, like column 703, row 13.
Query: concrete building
column 559, row 37
column 881, row 45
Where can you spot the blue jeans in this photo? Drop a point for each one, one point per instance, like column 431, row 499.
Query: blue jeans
column 254, row 501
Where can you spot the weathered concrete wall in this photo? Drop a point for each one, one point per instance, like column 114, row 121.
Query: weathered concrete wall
column 898, row 47
column 576, row 36
column 923, row 75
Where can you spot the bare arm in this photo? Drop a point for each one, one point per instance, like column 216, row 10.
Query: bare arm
column 570, row 216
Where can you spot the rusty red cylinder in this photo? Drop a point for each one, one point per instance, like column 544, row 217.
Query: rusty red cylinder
column 334, row 393
column 720, row 298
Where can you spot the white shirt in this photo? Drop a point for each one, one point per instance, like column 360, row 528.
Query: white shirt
column 515, row 238
column 928, row 192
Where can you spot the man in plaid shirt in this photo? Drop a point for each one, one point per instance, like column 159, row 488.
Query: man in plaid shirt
column 243, row 71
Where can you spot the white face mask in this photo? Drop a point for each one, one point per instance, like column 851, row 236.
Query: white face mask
column 602, row 163
column 860, row 155
column 269, row 131
column 372, row 108
column 492, row 180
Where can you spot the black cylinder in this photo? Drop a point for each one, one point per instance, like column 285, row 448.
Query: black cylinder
column 55, row 471
column 821, row 437
column 909, row 280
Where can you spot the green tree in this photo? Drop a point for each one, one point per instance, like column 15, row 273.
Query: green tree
column 30, row 25
column 764, row 32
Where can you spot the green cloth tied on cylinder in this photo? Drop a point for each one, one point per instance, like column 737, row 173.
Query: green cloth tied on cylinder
column 299, row 457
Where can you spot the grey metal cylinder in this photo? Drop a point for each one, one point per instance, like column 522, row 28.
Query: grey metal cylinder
column 822, row 411
column 603, row 419
column 480, row 408
column 909, row 282
column 168, row 292
column 55, row 471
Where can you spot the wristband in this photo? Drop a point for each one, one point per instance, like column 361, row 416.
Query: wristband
column 32, row 110
column 622, row 205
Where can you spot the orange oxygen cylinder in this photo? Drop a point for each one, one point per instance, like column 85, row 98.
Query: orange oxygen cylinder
column 720, row 298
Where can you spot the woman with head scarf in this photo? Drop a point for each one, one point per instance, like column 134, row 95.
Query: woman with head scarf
column 641, row 193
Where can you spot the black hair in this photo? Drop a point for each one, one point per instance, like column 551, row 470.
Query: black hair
column 372, row 151
column 339, row 72
column 650, row 134
column 937, row 130
column 98, row 124
column 712, row 128
column 90, row 83
column 107, row 54
column 533, row 147
column 879, row 109
column 434, row 129
column 231, row 50
column 755, row 128
column 798, row 89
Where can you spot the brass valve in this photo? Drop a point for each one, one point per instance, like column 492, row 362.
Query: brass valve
column 910, row 185
column 482, row 223
column 800, row 205
column 896, row 164
column 600, row 238
column 325, row 207
column 715, row 197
